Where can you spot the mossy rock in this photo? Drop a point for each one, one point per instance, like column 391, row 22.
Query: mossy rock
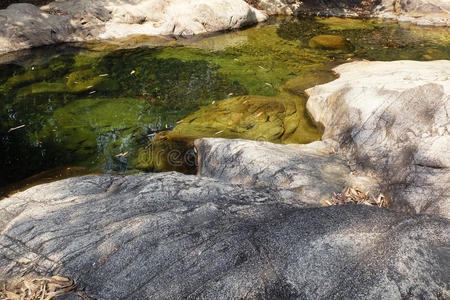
column 167, row 153
column 273, row 119
column 88, row 80
column 330, row 42
column 335, row 23
column 61, row 64
column 299, row 84
column 28, row 77
column 42, row 88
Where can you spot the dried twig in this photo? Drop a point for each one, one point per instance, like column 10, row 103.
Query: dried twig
column 356, row 196
column 36, row 289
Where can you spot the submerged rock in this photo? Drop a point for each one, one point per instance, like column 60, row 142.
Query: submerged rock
column 275, row 119
column 391, row 118
column 176, row 236
column 330, row 42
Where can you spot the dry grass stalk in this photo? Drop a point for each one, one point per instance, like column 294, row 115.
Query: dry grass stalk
column 36, row 289
column 356, row 196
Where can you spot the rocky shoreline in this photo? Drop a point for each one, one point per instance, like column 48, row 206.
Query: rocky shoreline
column 251, row 224
column 24, row 25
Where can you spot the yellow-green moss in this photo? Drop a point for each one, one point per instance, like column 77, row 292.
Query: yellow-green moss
column 42, row 87
column 335, row 23
column 278, row 119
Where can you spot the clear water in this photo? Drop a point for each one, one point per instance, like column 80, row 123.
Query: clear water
column 113, row 105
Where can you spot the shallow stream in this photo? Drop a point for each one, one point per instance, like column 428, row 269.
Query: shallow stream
column 137, row 104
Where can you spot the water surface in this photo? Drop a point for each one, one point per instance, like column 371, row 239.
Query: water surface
column 108, row 105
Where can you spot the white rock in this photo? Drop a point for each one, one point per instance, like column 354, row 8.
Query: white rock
column 382, row 114
column 308, row 173
column 25, row 25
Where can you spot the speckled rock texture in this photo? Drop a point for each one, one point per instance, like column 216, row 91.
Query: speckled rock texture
column 308, row 173
column 25, row 25
column 421, row 12
column 392, row 120
column 173, row 236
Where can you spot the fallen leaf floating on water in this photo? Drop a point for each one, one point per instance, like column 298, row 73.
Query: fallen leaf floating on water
column 15, row 128
column 121, row 154
column 36, row 289
column 356, row 196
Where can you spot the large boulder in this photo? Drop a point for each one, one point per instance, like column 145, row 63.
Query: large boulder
column 67, row 21
column 421, row 12
column 25, row 25
column 172, row 236
column 310, row 173
column 392, row 119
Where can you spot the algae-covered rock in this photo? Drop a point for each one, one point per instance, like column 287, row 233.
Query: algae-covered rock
column 175, row 83
column 299, row 84
column 42, row 88
column 88, row 80
column 31, row 76
column 335, row 23
column 275, row 119
column 330, row 42
column 167, row 152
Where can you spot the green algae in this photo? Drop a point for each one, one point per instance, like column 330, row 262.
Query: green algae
column 138, row 103
column 97, row 131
